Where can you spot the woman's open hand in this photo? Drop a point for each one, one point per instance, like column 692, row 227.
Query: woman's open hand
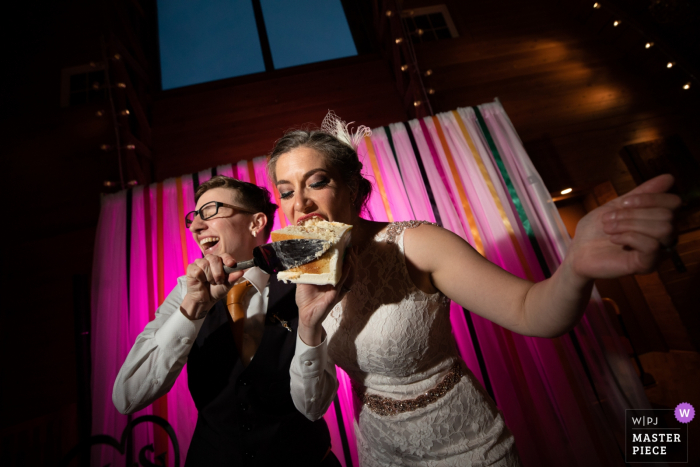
column 316, row 301
column 626, row 235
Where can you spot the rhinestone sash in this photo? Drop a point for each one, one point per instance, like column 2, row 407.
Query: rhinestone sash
column 388, row 406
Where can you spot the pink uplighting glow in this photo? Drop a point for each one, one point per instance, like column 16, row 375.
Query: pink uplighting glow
column 482, row 184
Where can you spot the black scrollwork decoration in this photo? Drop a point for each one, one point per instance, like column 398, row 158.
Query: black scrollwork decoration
column 144, row 460
column 123, row 445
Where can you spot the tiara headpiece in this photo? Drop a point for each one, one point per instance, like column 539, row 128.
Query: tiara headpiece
column 333, row 125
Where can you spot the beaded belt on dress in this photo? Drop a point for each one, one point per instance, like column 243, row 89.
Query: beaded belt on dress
column 388, row 406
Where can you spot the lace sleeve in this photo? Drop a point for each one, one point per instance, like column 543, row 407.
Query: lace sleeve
column 395, row 229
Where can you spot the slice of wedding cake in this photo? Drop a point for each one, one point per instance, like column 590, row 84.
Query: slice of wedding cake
column 328, row 268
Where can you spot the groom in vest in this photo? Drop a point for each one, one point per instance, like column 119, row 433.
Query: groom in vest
column 237, row 334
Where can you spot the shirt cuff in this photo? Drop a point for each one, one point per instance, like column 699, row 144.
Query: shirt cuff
column 312, row 360
column 178, row 331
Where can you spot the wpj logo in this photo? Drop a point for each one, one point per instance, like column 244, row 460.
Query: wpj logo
column 657, row 435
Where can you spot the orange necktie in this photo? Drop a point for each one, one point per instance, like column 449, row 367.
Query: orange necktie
column 235, row 309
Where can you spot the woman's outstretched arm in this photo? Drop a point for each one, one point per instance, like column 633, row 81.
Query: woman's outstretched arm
column 625, row 236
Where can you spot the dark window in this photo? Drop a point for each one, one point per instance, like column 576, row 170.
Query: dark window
column 429, row 24
column 86, row 87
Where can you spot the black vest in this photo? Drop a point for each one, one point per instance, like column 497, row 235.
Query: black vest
column 246, row 414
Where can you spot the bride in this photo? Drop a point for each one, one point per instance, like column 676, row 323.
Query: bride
column 387, row 322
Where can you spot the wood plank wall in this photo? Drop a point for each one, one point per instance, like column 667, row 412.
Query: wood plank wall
column 220, row 123
column 576, row 89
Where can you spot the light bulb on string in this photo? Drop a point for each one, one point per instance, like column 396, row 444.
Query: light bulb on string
column 670, row 64
column 399, row 40
column 125, row 112
column 428, row 72
column 616, row 23
column 686, row 85
column 431, row 91
column 596, row 5
column 389, row 12
column 416, row 103
column 566, row 191
column 649, row 45
column 404, row 67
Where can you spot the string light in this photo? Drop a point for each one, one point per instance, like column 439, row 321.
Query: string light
column 132, row 182
column 567, row 191
column 416, row 103
column 125, row 112
column 130, row 146
column 117, row 57
column 108, row 183
column 95, row 85
column 121, row 85
column 431, row 91
column 404, row 67
column 399, row 40
column 105, row 147
column 428, row 72
column 100, row 113
column 419, row 32
column 389, row 12
column 647, row 45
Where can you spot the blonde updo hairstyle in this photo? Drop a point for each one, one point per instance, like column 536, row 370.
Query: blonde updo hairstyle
column 340, row 156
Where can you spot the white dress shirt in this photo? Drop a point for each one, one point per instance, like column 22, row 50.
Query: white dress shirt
column 160, row 351
column 313, row 379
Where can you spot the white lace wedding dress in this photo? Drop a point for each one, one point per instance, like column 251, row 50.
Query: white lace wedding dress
column 396, row 342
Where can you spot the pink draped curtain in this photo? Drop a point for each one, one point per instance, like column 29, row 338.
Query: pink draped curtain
column 564, row 398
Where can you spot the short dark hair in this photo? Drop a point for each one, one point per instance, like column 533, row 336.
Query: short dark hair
column 252, row 197
column 340, row 156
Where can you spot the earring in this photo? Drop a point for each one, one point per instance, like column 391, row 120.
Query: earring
column 255, row 234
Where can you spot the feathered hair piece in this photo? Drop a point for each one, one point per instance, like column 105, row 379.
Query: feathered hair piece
column 333, row 125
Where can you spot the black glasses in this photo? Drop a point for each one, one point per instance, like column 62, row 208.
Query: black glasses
column 208, row 211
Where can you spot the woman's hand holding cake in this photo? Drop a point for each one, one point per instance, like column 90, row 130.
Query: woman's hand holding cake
column 320, row 282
